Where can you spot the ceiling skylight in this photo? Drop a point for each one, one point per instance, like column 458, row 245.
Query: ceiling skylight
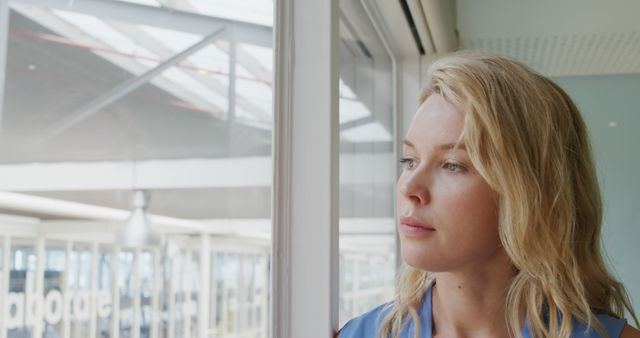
column 346, row 92
column 261, row 54
column 174, row 40
column 252, row 11
column 351, row 110
column 152, row 3
column 191, row 84
column 202, row 79
column 370, row 132
column 259, row 94
column 211, row 59
column 103, row 31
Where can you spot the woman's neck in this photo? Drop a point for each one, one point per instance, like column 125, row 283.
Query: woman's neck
column 471, row 302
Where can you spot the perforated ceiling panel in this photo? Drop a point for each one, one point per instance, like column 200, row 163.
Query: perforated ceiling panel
column 557, row 38
column 575, row 54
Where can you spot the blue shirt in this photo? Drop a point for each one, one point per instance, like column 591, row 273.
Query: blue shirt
column 368, row 324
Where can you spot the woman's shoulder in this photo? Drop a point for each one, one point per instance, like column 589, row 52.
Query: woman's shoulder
column 365, row 325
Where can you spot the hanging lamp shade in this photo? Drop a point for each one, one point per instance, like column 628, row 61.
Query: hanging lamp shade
column 138, row 230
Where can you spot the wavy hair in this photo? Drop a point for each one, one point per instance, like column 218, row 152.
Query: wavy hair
column 527, row 139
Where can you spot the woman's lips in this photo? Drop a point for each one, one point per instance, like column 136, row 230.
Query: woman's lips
column 413, row 227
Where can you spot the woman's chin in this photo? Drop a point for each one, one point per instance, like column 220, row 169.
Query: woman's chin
column 419, row 260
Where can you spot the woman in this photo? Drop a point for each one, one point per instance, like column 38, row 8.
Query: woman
column 499, row 214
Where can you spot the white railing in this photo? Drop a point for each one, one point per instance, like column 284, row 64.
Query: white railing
column 79, row 288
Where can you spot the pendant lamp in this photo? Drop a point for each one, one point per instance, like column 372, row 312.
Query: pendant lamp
column 138, row 231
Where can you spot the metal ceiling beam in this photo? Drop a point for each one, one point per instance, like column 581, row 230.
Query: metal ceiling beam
column 250, row 63
column 125, row 88
column 55, row 24
column 160, row 17
column 231, row 108
column 244, row 58
column 163, row 52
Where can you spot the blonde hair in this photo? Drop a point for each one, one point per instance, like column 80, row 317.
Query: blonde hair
column 527, row 139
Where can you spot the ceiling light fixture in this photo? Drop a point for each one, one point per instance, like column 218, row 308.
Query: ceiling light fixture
column 138, row 231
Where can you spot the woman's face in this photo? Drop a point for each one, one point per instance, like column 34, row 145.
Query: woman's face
column 447, row 213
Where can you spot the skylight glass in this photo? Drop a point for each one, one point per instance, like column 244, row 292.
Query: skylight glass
column 346, row 92
column 151, row 3
column 104, row 32
column 258, row 93
column 251, row 11
column 370, row 132
column 187, row 82
column 211, row 59
column 203, row 77
column 352, row 110
column 263, row 55
column 243, row 72
column 174, row 40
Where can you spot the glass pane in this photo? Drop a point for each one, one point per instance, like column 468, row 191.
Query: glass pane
column 80, row 289
column 218, row 292
column 125, row 284
column 230, row 286
column 104, row 302
column 147, row 270
column 258, row 12
column 165, row 296
column 173, row 98
column 186, row 294
column 22, row 287
column 179, row 294
column 367, row 176
column 194, row 291
column 55, row 279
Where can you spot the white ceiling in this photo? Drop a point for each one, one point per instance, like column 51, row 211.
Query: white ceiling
column 558, row 38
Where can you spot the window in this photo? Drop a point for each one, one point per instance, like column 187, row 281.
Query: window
column 103, row 98
column 367, row 170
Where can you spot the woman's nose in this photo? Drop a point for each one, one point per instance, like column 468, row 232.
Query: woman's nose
column 415, row 188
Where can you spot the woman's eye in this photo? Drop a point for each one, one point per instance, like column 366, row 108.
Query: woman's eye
column 408, row 163
column 454, row 167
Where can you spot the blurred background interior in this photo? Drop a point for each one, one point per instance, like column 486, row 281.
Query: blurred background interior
column 136, row 149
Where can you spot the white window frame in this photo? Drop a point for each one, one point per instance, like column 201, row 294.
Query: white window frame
column 305, row 290
column 305, row 150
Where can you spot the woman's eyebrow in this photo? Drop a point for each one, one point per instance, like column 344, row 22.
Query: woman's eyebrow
column 448, row 146
column 408, row 143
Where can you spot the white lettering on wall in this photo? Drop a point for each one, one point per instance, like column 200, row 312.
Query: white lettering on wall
column 33, row 303
column 15, row 310
column 81, row 305
column 104, row 303
column 22, row 309
column 53, row 307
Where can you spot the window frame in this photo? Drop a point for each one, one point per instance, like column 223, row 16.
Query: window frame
column 305, row 230
column 305, row 250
